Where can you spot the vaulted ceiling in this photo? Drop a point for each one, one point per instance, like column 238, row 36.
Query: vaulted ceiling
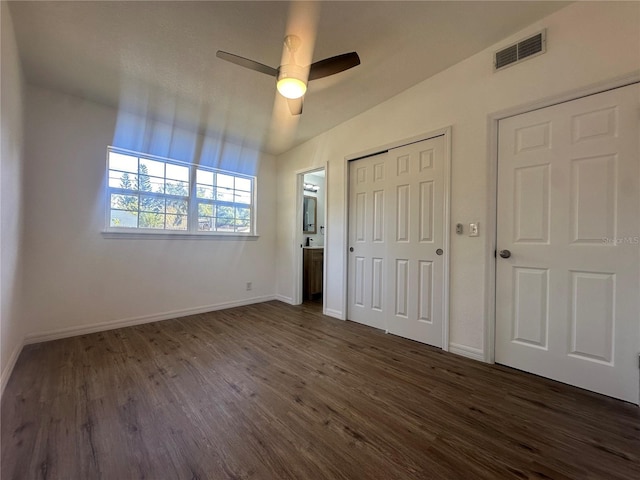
column 159, row 58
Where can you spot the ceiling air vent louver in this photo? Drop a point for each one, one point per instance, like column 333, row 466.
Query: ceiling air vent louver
column 516, row 53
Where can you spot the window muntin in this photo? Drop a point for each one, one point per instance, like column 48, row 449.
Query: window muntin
column 147, row 193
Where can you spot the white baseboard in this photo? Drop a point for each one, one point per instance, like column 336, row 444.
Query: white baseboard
column 465, row 351
column 333, row 313
column 8, row 369
column 284, row 299
column 128, row 322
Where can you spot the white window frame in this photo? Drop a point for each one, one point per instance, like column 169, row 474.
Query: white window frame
column 193, row 200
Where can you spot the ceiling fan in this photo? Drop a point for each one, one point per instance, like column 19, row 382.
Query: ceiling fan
column 291, row 78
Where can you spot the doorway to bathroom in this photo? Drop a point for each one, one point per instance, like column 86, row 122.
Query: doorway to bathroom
column 311, row 224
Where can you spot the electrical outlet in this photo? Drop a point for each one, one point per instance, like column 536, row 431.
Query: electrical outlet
column 249, row 286
column 474, row 229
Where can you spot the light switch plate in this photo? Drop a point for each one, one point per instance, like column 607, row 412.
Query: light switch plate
column 474, row 229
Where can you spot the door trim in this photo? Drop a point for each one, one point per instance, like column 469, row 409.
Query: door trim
column 445, row 132
column 492, row 202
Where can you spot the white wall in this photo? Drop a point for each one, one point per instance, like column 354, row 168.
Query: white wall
column 79, row 280
column 12, row 327
column 587, row 43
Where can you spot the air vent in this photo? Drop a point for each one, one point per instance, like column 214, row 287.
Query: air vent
column 516, row 53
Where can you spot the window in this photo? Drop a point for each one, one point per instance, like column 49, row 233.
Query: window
column 153, row 194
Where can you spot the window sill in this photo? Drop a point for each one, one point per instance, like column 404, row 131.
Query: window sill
column 112, row 234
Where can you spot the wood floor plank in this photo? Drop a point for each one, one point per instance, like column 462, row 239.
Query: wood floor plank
column 274, row 391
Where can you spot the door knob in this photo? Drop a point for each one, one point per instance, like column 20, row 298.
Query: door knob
column 505, row 253
column 439, row 251
column 351, row 249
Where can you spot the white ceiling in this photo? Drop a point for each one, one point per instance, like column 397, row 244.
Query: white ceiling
column 158, row 58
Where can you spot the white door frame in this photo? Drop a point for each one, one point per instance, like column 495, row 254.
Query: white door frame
column 492, row 205
column 299, row 236
column 446, row 133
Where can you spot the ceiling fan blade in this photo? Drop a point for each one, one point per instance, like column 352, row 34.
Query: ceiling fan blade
column 246, row 63
column 295, row 105
column 333, row 65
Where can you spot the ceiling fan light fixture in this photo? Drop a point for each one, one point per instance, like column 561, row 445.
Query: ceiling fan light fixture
column 292, row 79
column 290, row 87
column 291, row 83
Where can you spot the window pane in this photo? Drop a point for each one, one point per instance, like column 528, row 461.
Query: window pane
column 224, row 218
column 242, row 197
column 152, row 167
column 224, row 212
column 205, row 210
column 176, row 222
column 224, row 180
column 224, row 194
column 243, row 184
column 155, row 184
column 145, row 181
column 204, row 191
column 151, row 204
column 125, row 180
column 205, row 224
column 175, row 187
column 204, row 177
column 123, row 219
column 125, row 163
column 224, row 225
column 178, row 206
column 152, row 220
column 124, row 202
column 243, row 226
column 177, row 172
column 243, row 213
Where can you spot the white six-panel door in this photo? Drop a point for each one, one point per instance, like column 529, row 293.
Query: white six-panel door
column 396, row 233
column 367, row 269
column 567, row 299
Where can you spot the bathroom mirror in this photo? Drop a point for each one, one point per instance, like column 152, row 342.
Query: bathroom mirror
column 309, row 214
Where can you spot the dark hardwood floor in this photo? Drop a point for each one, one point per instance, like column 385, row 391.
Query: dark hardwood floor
column 272, row 391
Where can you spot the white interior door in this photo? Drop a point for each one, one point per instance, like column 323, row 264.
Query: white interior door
column 367, row 268
column 396, row 231
column 567, row 299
